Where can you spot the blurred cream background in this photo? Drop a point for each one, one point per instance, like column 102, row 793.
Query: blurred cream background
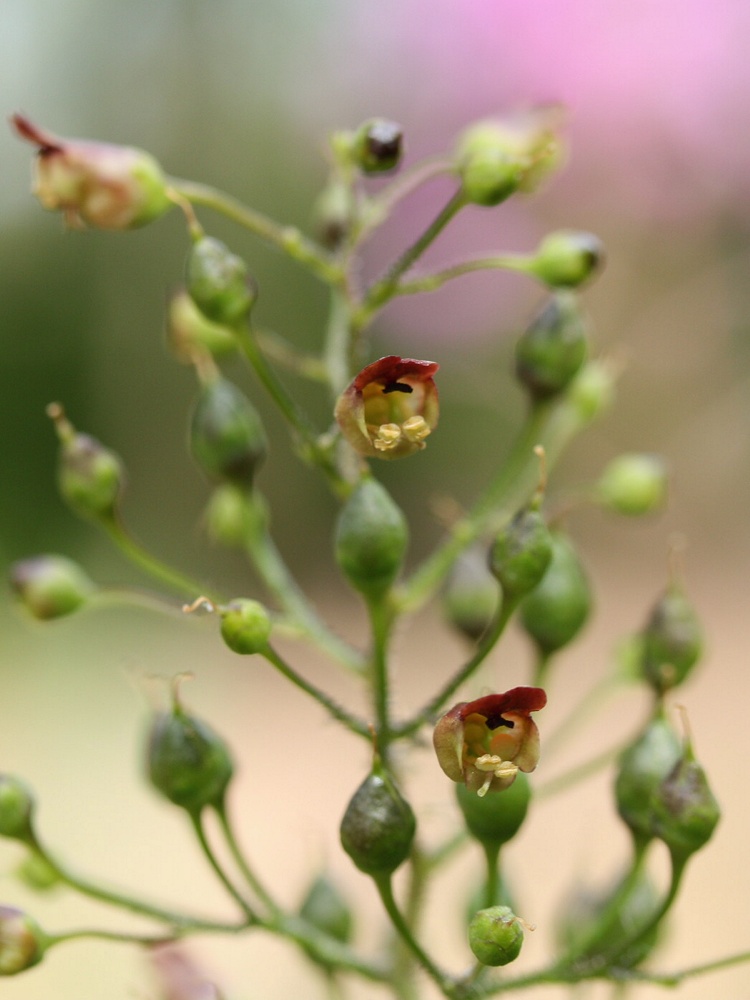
column 242, row 95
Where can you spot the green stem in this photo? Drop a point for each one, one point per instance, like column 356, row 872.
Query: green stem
column 492, row 883
column 351, row 722
column 289, row 239
column 675, row 978
column 277, row 577
column 431, row 282
column 381, row 621
column 339, row 343
column 580, row 772
column 386, row 288
column 197, row 821
column 125, row 938
column 382, row 205
column 171, row 578
column 325, row 950
column 276, row 347
column 385, row 889
column 552, row 425
column 541, row 668
column 488, row 642
column 241, row 861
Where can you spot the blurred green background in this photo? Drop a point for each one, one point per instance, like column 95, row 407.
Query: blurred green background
column 242, row 95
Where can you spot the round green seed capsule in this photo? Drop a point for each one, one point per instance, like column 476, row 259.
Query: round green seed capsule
column 471, row 597
column 50, row 586
column 521, row 553
column 218, row 282
column 16, row 808
column 227, row 438
column 371, row 539
column 643, row 767
column 495, row 819
column 495, row 936
column 556, row 610
column 633, row 485
column 378, row 826
column 567, row 258
column 553, row 349
column 324, row 908
column 245, row 626
column 672, row 641
column 685, row 810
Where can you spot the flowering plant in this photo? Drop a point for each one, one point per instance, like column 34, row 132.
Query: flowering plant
column 506, row 558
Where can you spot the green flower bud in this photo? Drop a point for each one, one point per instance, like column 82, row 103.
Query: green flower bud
column 592, row 390
column 489, row 176
column 245, row 626
column 325, row 909
column 218, row 282
column 495, row 936
column 371, row 539
column 553, row 349
column 583, row 930
column 227, row 438
column 633, row 485
column 672, row 640
column 376, row 146
column 642, row 769
column 567, row 258
column 332, row 214
column 521, row 553
column 22, row 941
column 557, row 609
column 50, row 586
column 493, row 820
column 36, row 873
column 190, row 333
column 228, row 518
column 16, row 809
column 90, row 476
column 685, row 810
column 378, row 826
column 471, row 597
column 187, row 761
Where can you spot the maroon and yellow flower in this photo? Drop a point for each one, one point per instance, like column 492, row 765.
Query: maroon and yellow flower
column 485, row 743
column 95, row 183
column 389, row 409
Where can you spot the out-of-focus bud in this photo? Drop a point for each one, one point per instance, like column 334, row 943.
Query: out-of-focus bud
column 190, row 333
column 332, row 214
column 567, row 258
column 498, row 157
column 556, row 610
column 633, row 484
column 377, row 146
column 228, row 517
column 95, row 183
column 37, row 873
column 495, row 819
column 552, row 350
column 50, row 586
column 378, row 826
column 643, row 767
column 245, row 626
column 471, row 597
column 521, row 553
column 592, row 390
column 390, row 407
column 16, row 809
column 187, row 761
column 685, row 810
column 325, row 908
column 495, row 936
column 672, row 640
column 486, row 742
column 219, row 283
column 22, row 941
column 90, row 476
column 371, row 539
column 227, row 438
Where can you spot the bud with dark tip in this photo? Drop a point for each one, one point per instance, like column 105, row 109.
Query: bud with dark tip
column 371, row 539
column 672, row 641
column 377, row 145
column 378, row 826
column 521, row 553
column 643, row 767
column 90, row 477
column 556, row 610
column 22, row 941
column 566, row 259
column 471, row 597
column 493, row 820
column 496, row 936
column 188, row 763
column 16, row 809
column 227, row 438
column 324, row 908
column 50, row 586
column 552, row 350
column 245, row 626
column 332, row 214
column 633, row 485
column 219, row 283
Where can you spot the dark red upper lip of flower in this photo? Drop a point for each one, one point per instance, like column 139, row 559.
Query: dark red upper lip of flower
column 520, row 699
column 392, row 368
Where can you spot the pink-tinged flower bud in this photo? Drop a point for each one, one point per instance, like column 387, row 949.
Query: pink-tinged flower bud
column 22, row 942
column 389, row 409
column 50, row 586
column 485, row 743
column 95, row 183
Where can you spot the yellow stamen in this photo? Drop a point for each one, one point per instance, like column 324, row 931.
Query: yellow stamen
column 415, row 429
column 387, row 437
